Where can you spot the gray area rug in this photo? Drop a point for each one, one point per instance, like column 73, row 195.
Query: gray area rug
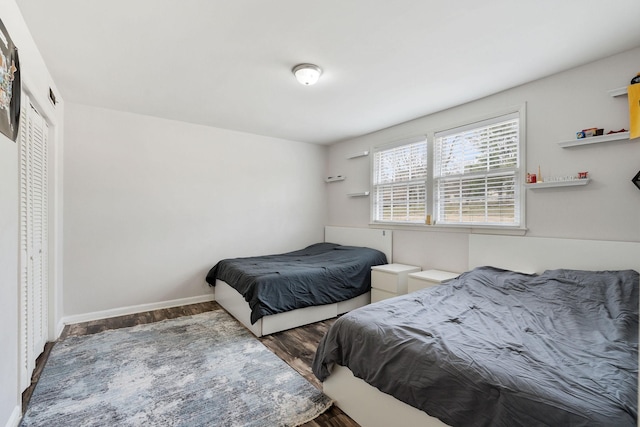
column 202, row 370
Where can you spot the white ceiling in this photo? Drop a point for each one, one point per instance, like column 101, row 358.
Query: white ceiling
column 227, row 63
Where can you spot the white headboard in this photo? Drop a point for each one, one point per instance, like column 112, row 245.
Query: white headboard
column 381, row 240
column 536, row 254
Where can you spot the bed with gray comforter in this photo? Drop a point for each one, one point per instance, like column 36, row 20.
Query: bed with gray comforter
column 322, row 273
column 500, row 348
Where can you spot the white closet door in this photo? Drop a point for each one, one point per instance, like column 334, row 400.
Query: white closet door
column 33, row 238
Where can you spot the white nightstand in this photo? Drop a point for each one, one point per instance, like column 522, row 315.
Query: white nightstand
column 390, row 280
column 424, row 279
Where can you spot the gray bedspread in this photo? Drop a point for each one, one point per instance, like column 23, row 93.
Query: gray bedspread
column 323, row 273
column 498, row 348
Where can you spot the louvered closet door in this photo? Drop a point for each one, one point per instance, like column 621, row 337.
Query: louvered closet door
column 33, row 238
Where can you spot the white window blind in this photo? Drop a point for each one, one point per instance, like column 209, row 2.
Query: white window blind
column 400, row 182
column 476, row 173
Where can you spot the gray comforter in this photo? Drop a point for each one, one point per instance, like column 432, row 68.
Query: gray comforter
column 500, row 348
column 323, row 273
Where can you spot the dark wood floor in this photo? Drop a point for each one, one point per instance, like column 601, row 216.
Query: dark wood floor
column 295, row 346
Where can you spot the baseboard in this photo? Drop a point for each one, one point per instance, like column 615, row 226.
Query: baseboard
column 59, row 328
column 15, row 417
column 133, row 309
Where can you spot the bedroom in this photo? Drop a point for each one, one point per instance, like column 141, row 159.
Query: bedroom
column 151, row 185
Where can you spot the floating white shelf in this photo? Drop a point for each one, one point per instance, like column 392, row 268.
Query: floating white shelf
column 359, row 194
column 552, row 184
column 334, row 178
column 356, row 155
column 595, row 139
column 620, row 91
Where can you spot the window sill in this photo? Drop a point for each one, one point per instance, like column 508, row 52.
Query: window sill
column 486, row 229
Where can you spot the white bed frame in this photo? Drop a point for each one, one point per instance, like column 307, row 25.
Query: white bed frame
column 235, row 304
column 371, row 408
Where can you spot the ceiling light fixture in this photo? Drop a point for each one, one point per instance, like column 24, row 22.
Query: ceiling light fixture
column 307, row 74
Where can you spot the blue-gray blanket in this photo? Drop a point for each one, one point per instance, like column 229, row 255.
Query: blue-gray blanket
column 498, row 348
column 323, row 273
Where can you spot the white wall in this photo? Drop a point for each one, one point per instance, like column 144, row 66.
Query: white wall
column 558, row 106
column 37, row 80
column 9, row 398
column 152, row 204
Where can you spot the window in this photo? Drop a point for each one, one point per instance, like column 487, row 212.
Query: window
column 400, row 182
column 474, row 178
column 476, row 173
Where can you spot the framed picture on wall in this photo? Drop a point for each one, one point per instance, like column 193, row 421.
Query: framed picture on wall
column 10, row 89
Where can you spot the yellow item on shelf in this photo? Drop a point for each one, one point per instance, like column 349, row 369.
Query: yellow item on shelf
column 633, row 92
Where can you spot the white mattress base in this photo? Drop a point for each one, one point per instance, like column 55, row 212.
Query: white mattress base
column 231, row 300
column 370, row 407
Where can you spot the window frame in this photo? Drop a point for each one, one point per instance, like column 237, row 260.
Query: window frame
column 374, row 187
column 520, row 173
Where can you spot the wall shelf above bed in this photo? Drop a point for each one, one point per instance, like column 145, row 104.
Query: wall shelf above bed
column 620, row 136
column 619, row 91
column 359, row 154
column 334, row 178
column 551, row 184
column 359, row 194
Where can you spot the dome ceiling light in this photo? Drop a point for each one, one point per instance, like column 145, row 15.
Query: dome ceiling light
column 307, row 74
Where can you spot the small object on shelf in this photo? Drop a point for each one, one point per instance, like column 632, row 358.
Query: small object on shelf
column 539, row 178
column 636, row 180
column 586, row 133
column 633, row 93
column 427, row 220
column 567, row 178
column 531, row 178
column 611, row 132
column 334, row 178
column 589, row 132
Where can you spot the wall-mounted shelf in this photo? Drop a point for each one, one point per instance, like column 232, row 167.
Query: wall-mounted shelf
column 334, row 178
column 595, row 139
column 356, row 155
column 552, row 184
column 359, row 194
column 620, row 91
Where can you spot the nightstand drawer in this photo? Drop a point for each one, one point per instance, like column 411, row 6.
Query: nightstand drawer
column 427, row 278
column 384, row 281
column 391, row 277
column 378, row 295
